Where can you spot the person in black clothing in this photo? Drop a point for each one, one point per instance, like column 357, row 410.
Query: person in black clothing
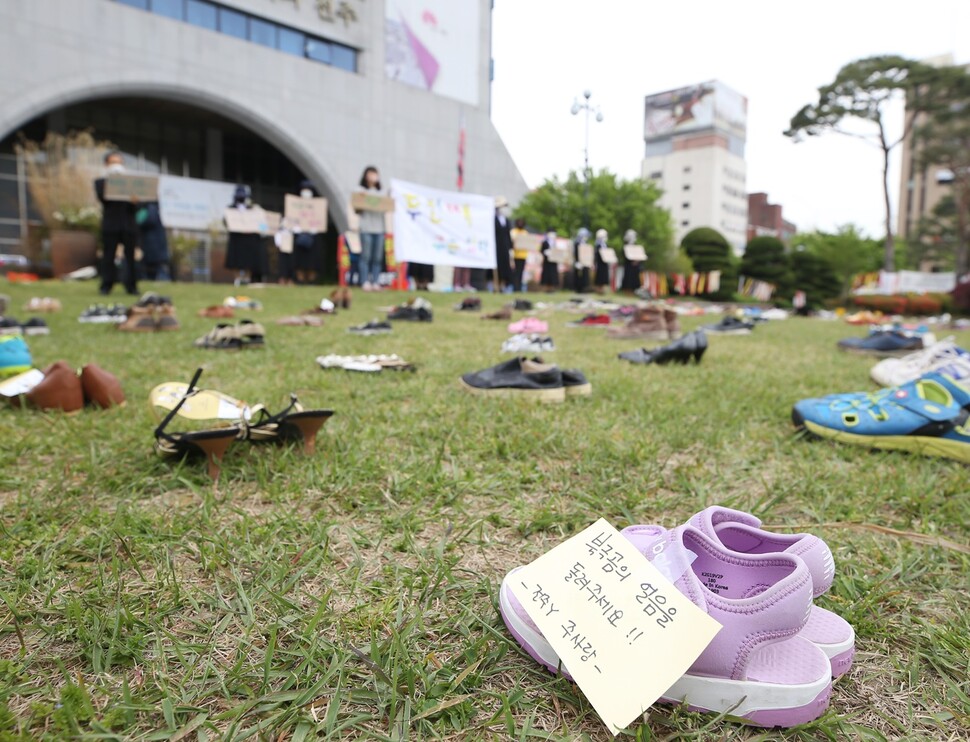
column 153, row 242
column 503, row 246
column 601, row 277
column 631, row 268
column 305, row 243
column 245, row 252
column 580, row 272
column 117, row 227
column 550, row 270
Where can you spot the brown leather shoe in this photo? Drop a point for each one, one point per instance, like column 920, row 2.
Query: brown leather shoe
column 100, row 387
column 646, row 324
column 503, row 313
column 672, row 319
column 140, row 319
column 60, row 389
column 217, row 311
column 165, row 318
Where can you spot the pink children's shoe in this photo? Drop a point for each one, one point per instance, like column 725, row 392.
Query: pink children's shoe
column 529, row 325
column 741, row 532
column 758, row 667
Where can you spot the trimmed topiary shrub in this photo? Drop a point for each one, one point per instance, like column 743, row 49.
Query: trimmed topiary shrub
column 709, row 250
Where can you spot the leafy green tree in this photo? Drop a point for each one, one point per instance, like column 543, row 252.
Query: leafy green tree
column 615, row 205
column 862, row 92
column 944, row 141
column 814, row 275
column 847, row 251
column 709, row 250
column 766, row 259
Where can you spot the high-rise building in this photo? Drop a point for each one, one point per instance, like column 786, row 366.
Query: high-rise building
column 766, row 219
column 695, row 140
column 922, row 185
column 261, row 92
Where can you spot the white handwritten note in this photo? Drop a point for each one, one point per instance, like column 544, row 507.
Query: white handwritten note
column 622, row 630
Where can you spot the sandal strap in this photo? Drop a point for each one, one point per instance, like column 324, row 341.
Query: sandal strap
column 160, row 430
column 267, row 419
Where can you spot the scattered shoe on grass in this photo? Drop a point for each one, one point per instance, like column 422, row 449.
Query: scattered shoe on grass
column 522, row 343
column 928, row 416
column 15, row 356
column 943, row 357
column 883, row 344
column 530, row 379
column 374, row 327
column 693, row 345
column 730, row 326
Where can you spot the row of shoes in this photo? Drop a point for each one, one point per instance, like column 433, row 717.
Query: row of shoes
column 151, row 313
column 243, row 336
column 33, row 326
column 531, row 379
column 61, row 386
column 887, row 342
column 691, row 346
column 924, row 409
column 365, row 363
column 224, row 420
column 773, row 661
column 528, row 343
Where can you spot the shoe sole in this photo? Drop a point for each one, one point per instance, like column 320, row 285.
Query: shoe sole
column 909, row 443
column 755, row 703
column 545, row 396
column 579, row 390
column 872, row 353
column 727, row 332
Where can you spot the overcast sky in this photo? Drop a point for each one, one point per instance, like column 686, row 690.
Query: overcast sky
column 776, row 53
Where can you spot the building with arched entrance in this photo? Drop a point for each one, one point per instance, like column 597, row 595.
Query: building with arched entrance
column 262, row 92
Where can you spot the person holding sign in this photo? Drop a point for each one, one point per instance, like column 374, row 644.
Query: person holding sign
column 304, row 242
column 550, row 270
column 601, row 269
column 580, row 269
column 117, row 227
column 519, row 255
column 371, row 234
column 631, row 267
column 245, row 251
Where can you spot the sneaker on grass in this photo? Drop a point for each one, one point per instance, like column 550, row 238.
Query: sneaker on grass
column 518, row 378
column 930, row 416
column 758, row 667
column 942, row 357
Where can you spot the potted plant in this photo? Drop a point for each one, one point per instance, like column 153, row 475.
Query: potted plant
column 61, row 172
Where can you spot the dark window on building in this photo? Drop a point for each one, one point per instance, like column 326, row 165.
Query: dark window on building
column 211, row 15
column 685, row 205
column 292, row 42
column 685, row 223
column 686, row 168
column 200, row 13
column 344, row 57
column 319, row 51
column 232, row 23
column 686, row 186
column 169, row 8
column 656, row 175
column 262, row 32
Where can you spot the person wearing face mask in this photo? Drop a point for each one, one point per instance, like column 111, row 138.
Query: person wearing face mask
column 305, row 242
column 504, row 277
column 371, row 234
column 118, row 226
column 601, row 269
column 245, row 252
column 550, row 270
column 631, row 268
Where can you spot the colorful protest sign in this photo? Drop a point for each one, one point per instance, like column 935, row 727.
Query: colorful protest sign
column 306, row 214
column 443, row 227
column 527, row 241
column 363, row 201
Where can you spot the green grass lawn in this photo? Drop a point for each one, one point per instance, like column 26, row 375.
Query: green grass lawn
column 353, row 593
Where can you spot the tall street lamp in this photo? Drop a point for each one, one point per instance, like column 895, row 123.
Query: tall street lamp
column 588, row 108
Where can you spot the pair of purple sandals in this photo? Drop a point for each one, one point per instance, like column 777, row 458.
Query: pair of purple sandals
column 773, row 662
